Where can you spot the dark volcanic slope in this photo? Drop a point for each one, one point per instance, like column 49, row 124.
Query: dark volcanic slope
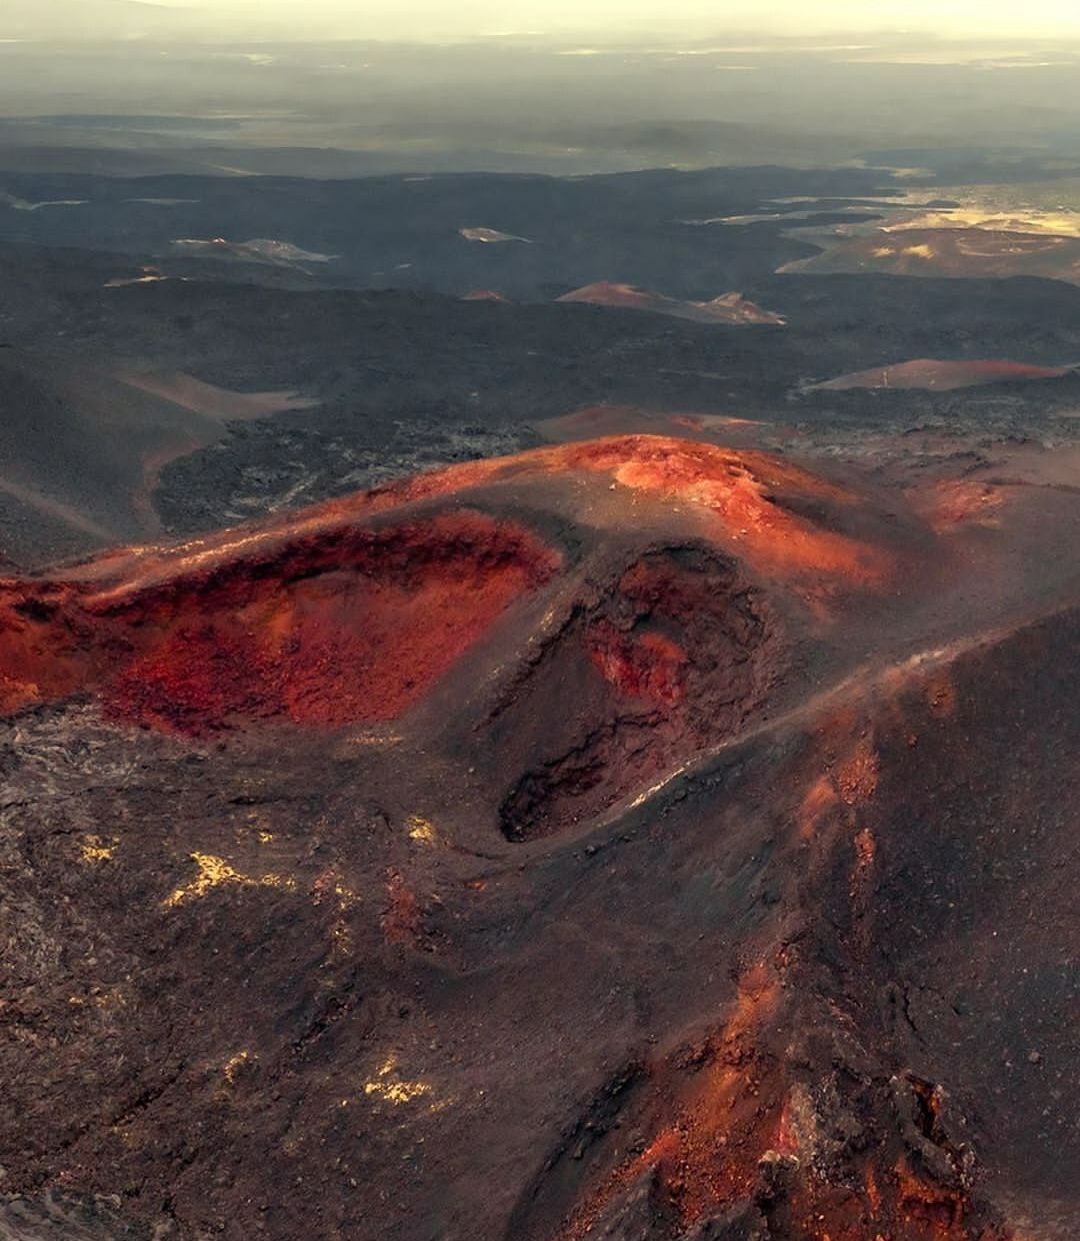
column 83, row 443
column 81, row 452
column 406, row 232
column 637, row 837
column 491, row 372
column 957, row 252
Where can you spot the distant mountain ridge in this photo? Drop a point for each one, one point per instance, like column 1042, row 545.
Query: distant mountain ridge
column 62, row 20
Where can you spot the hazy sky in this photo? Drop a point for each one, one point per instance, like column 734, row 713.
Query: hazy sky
column 692, row 18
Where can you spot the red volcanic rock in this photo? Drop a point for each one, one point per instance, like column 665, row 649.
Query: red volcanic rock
column 673, row 654
column 648, row 666
column 956, row 503
column 730, row 308
column 733, row 493
column 727, row 1136
column 351, row 628
column 485, row 295
column 942, row 376
column 352, row 610
column 734, row 308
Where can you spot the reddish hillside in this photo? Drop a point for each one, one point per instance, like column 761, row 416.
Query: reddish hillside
column 348, row 612
column 485, row 295
column 941, row 376
column 352, row 628
column 729, row 308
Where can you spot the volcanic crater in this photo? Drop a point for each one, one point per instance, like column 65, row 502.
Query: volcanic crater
column 674, row 654
column 746, row 745
column 348, row 613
